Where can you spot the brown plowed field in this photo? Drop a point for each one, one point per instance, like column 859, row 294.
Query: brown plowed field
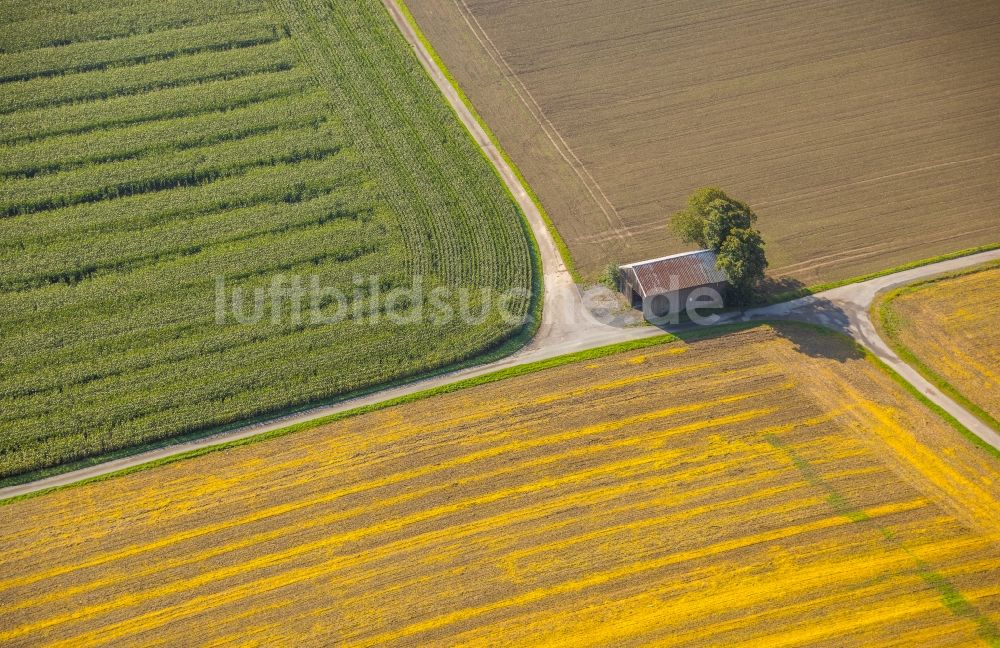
column 768, row 486
column 865, row 134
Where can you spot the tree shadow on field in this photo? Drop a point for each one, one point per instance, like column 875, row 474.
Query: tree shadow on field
column 816, row 327
column 776, row 289
column 821, row 334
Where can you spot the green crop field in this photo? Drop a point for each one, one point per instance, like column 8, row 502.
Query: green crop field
column 151, row 150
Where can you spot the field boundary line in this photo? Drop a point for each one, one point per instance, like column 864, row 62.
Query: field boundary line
column 928, row 403
column 10, row 495
column 883, row 316
column 561, row 246
column 847, row 310
column 560, row 243
column 253, row 436
column 542, row 119
column 910, row 265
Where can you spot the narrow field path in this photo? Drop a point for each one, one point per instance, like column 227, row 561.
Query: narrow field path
column 567, row 326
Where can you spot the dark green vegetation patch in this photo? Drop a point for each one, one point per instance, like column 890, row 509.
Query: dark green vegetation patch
column 150, row 150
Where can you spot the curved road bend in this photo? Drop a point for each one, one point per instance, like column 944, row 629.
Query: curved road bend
column 567, row 326
column 846, row 309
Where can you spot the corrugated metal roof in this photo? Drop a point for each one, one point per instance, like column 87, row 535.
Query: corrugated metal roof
column 676, row 272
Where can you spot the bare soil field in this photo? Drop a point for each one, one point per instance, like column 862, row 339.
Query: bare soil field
column 949, row 327
column 865, row 134
column 698, row 493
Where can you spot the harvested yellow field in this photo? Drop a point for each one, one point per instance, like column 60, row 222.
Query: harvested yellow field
column 768, row 485
column 950, row 328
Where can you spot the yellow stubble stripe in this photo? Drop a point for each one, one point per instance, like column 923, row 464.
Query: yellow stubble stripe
column 525, row 514
column 624, row 382
column 635, row 568
column 493, row 412
column 299, row 526
column 919, row 604
column 195, row 488
column 498, row 520
column 512, row 574
column 240, row 637
column 384, row 481
column 652, row 611
column 453, row 532
column 223, row 483
column 923, row 636
column 976, row 501
column 749, row 594
column 302, row 573
column 577, row 498
column 671, row 349
column 929, row 599
column 975, row 565
column 273, row 559
column 157, row 618
column 484, row 435
column 694, row 512
column 978, row 366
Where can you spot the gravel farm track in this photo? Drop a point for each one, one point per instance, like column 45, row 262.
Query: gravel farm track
column 946, row 329
column 567, row 326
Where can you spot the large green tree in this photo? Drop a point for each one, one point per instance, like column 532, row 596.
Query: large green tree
column 716, row 222
column 742, row 258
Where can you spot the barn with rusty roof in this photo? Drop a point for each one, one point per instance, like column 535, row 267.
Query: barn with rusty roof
column 671, row 279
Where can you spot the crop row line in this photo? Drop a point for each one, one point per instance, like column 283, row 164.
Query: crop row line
column 132, row 50
column 66, row 152
column 187, row 286
column 277, row 184
column 211, row 96
column 57, row 28
column 189, row 279
column 183, row 168
column 440, row 205
column 130, row 250
column 28, row 379
column 50, row 92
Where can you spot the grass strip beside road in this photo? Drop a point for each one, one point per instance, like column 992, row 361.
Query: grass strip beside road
column 564, row 252
column 812, row 290
column 888, row 323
